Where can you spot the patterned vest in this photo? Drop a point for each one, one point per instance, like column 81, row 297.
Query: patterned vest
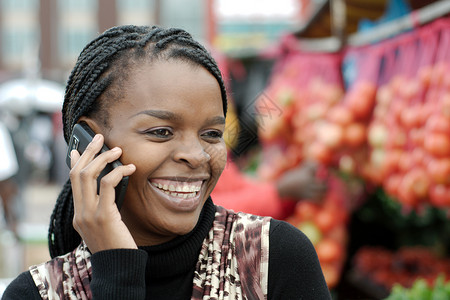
column 233, row 263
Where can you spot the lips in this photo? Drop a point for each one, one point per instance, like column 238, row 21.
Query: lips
column 178, row 194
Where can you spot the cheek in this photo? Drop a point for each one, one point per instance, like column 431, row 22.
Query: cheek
column 146, row 157
column 218, row 153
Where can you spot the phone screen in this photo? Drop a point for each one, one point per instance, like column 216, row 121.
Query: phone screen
column 81, row 136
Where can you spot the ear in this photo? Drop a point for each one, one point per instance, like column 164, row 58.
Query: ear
column 92, row 124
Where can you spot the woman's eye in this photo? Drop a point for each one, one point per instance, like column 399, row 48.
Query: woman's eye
column 160, row 132
column 213, row 134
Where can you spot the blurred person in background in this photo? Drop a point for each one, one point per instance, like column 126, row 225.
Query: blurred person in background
column 8, row 185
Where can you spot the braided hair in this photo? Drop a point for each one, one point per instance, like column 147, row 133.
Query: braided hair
column 96, row 80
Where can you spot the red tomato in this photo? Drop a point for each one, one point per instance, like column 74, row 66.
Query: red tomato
column 412, row 117
column 339, row 233
column 445, row 104
column 398, row 137
column 329, row 250
column 355, row 134
column 438, row 144
column 318, row 151
column 426, row 111
column 331, row 273
column 439, row 170
column 316, row 111
column 384, row 96
column 405, row 162
column 440, row 195
column 417, row 136
column 391, row 161
column 361, row 99
column 392, row 183
column 438, row 123
column 330, row 134
column 340, row 115
column 418, row 155
column 372, row 173
column 421, row 182
column 405, row 194
column 306, row 211
column 325, row 220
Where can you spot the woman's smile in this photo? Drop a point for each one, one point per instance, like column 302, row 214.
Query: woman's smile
column 181, row 194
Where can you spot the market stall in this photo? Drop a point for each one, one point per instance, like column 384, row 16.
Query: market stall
column 374, row 110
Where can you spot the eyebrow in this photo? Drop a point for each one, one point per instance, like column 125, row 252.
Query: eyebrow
column 219, row 120
column 160, row 114
column 170, row 116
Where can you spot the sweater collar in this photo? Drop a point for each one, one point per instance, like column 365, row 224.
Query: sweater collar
column 180, row 254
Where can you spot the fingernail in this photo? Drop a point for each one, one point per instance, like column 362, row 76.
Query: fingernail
column 96, row 137
column 115, row 149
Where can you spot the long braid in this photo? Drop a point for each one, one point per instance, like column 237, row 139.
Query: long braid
column 101, row 67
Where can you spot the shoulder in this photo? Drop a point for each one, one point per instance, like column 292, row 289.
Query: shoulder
column 22, row 287
column 294, row 268
column 286, row 239
column 282, row 230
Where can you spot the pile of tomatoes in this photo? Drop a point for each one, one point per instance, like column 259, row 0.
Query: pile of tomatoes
column 390, row 126
column 409, row 134
column 303, row 88
column 404, row 266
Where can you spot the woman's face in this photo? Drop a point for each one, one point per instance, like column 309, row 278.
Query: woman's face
column 169, row 125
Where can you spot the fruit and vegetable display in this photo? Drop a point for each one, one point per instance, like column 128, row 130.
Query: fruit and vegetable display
column 379, row 113
column 304, row 87
column 409, row 133
column 388, row 124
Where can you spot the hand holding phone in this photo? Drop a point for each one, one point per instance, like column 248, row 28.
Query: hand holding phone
column 96, row 217
column 81, row 136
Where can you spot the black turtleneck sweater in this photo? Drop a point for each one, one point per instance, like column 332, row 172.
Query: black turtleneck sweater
column 166, row 271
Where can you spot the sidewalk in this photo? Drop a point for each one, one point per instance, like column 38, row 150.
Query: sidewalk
column 17, row 256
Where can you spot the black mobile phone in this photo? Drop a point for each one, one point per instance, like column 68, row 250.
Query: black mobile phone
column 81, row 136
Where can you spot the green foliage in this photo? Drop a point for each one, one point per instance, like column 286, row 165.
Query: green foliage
column 422, row 291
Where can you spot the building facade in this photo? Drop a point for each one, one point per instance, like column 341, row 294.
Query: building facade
column 49, row 34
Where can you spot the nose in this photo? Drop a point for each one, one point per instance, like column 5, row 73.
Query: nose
column 192, row 153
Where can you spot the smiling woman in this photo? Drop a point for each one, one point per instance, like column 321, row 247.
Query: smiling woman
column 156, row 98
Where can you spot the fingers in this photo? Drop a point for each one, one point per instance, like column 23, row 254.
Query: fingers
column 96, row 217
column 89, row 153
column 103, row 209
column 109, row 182
column 85, row 171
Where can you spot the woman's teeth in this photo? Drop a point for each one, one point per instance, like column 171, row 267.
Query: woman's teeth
column 182, row 191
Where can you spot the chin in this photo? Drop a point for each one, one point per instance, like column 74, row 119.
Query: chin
column 184, row 225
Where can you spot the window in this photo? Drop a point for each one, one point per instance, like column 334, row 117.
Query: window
column 77, row 26
column 136, row 12
column 20, row 32
column 191, row 17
